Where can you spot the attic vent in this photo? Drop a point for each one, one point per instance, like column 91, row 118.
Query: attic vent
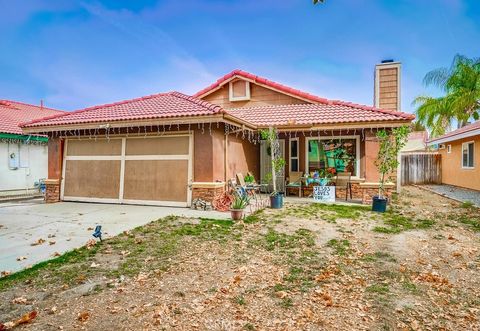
column 239, row 90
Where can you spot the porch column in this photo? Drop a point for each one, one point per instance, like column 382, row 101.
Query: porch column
column 371, row 151
column 55, row 160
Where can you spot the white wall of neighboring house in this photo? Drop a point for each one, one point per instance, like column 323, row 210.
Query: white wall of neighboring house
column 28, row 164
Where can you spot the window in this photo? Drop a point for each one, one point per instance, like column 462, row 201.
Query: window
column 467, row 155
column 293, row 152
column 239, row 90
column 340, row 153
column 449, row 149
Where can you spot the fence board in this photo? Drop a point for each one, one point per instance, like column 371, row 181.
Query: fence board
column 421, row 169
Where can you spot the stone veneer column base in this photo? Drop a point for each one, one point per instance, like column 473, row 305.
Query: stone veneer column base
column 207, row 190
column 369, row 190
column 356, row 192
column 52, row 190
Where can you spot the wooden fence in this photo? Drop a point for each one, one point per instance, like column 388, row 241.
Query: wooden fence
column 421, row 168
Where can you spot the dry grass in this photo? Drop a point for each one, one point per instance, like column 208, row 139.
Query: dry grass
column 305, row 267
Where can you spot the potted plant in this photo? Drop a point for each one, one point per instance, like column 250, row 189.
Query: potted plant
column 249, row 179
column 326, row 175
column 239, row 203
column 270, row 136
column 390, row 144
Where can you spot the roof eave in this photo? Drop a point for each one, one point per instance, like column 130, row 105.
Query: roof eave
column 454, row 137
column 220, row 117
column 337, row 126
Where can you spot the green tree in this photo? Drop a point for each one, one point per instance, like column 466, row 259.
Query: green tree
column 461, row 84
column 271, row 138
column 318, row 1
column 390, row 144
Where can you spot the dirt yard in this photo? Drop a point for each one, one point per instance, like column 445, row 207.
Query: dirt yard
column 306, row 267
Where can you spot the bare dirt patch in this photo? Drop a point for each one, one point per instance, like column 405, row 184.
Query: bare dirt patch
column 306, row 267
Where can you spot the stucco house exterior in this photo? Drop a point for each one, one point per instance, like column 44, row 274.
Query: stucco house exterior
column 460, row 152
column 24, row 157
column 170, row 148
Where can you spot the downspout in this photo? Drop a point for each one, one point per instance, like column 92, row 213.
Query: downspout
column 225, row 162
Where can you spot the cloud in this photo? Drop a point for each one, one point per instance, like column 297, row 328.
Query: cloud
column 151, row 37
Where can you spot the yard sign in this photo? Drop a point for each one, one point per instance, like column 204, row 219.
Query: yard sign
column 324, row 193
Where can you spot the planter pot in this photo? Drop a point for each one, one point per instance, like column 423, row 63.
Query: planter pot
column 276, row 201
column 324, row 181
column 379, row 204
column 237, row 214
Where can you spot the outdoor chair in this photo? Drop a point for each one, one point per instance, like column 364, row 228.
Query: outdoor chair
column 343, row 182
column 249, row 189
column 294, row 182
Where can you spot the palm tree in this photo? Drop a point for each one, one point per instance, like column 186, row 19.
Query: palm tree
column 461, row 102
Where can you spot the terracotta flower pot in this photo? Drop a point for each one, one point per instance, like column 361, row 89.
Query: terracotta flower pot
column 237, row 214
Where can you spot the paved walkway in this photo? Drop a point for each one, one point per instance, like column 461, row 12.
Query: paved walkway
column 457, row 193
column 69, row 225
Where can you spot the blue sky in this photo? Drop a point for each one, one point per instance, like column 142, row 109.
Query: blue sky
column 74, row 54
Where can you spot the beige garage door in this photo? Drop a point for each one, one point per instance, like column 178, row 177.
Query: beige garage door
column 143, row 170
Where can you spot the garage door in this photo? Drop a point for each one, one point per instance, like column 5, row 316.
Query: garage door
column 140, row 170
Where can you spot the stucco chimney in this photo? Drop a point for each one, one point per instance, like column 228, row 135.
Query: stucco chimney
column 388, row 85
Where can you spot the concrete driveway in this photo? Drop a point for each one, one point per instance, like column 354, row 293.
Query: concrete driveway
column 68, row 225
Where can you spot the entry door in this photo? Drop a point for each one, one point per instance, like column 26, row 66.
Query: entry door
column 266, row 166
column 134, row 170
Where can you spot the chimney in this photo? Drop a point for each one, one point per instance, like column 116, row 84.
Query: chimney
column 41, row 103
column 388, row 85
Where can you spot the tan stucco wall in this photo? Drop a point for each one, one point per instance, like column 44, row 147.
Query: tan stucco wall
column 242, row 156
column 452, row 171
column 370, row 152
column 209, row 155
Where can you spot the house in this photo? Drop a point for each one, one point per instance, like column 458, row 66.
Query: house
column 24, row 157
column 170, row 148
column 416, row 142
column 460, row 153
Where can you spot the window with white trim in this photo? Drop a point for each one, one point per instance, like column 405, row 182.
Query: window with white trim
column 293, row 155
column 239, row 90
column 468, row 154
column 449, row 149
column 341, row 153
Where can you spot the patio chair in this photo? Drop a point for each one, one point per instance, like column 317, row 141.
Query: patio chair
column 294, row 182
column 343, row 182
column 249, row 189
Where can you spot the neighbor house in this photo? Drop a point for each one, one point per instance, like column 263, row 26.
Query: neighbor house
column 24, row 156
column 169, row 148
column 460, row 153
column 416, row 142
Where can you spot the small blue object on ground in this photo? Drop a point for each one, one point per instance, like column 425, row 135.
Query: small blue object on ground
column 98, row 232
column 457, row 193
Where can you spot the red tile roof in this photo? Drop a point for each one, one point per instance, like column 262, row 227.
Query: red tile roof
column 464, row 130
column 12, row 113
column 308, row 114
column 163, row 105
column 259, row 80
column 332, row 104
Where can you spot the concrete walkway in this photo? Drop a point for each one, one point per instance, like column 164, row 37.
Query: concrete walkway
column 455, row 193
column 69, row 225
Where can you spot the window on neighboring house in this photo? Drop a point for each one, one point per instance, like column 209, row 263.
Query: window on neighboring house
column 239, row 90
column 340, row 153
column 468, row 154
column 449, row 148
column 294, row 155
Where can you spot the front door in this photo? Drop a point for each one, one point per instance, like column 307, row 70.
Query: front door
column 266, row 166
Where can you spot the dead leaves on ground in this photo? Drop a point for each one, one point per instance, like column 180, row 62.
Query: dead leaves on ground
column 83, row 316
column 27, row 318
